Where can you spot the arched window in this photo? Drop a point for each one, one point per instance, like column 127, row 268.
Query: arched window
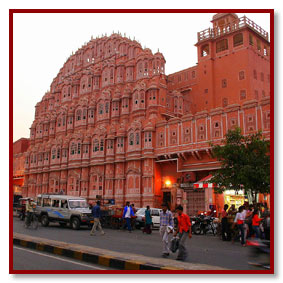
column 95, row 145
column 140, row 69
column 53, row 153
column 131, row 139
column 107, row 107
column 58, row 153
column 142, row 97
column 137, row 138
column 101, row 145
column 79, row 114
column 100, row 108
column 73, row 148
column 84, row 114
column 79, row 148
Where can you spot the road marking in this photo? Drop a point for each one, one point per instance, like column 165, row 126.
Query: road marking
column 66, row 260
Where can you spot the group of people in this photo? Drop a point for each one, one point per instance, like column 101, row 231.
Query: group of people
column 182, row 231
column 251, row 220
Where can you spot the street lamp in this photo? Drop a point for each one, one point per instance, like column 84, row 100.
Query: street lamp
column 168, row 183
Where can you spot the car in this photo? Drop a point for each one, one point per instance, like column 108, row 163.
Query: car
column 155, row 213
column 64, row 210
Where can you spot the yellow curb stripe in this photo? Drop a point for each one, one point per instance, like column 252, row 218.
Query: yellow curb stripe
column 104, row 260
column 132, row 265
column 24, row 243
column 78, row 255
column 58, row 251
column 40, row 247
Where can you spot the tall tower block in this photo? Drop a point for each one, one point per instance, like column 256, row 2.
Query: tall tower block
column 233, row 63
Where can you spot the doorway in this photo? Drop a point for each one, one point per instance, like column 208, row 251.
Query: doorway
column 167, row 198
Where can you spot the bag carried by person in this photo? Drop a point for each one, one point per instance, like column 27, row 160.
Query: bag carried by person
column 174, row 244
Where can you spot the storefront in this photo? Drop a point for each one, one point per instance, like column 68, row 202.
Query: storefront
column 218, row 200
column 232, row 197
column 17, row 185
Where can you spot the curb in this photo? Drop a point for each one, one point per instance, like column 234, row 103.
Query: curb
column 104, row 260
column 88, row 254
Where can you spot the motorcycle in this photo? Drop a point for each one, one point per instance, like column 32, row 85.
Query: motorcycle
column 259, row 253
column 203, row 225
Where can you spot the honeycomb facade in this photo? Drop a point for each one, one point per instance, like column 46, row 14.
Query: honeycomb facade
column 114, row 126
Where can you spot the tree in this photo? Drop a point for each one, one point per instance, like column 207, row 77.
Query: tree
column 245, row 163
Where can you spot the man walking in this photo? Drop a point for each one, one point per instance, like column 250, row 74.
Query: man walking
column 96, row 214
column 127, row 214
column 184, row 231
column 225, row 225
column 166, row 226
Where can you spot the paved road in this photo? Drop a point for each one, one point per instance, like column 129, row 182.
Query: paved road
column 26, row 259
column 202, row 249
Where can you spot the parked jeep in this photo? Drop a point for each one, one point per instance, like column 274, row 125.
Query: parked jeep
column 63, row 209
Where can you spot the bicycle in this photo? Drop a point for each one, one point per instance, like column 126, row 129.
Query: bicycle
column 31, row 221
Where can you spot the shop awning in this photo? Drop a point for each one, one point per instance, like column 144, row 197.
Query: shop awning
column 18, row 181
column 204, row 183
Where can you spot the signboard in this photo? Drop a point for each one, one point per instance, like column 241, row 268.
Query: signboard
column 186, row 185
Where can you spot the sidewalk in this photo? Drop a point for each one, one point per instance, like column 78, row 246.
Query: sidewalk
column 118, row 260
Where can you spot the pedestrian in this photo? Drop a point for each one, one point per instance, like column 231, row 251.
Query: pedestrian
column 266, row 222
column 133, row 207
column 166, row 226
column 256, row 221
column 127, row 214
column 29, row 211
column 184, row 231
column 248, row 220
column 96, row 215
column 239, row 221
column 226, row 235
column 232, row 210
column 148, row 221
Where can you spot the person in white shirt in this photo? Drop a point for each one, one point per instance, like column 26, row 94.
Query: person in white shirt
column 239, row 221
column 127, row 214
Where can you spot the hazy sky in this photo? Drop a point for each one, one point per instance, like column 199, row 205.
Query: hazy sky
column 43, row 42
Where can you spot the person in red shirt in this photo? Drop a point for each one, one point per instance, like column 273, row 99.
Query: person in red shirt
column 184, row 230
column 255, row 222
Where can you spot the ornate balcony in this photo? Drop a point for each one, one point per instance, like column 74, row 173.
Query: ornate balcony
column 213, row 33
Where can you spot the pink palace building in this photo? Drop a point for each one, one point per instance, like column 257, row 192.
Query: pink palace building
column 114, row 127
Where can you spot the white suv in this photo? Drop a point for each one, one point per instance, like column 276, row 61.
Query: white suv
column 63, row 209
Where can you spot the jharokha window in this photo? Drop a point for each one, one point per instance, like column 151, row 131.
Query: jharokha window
column 204, row 50
column 79, row 113
column 95, row 145
column 131, row 139
column 238, row 39
column 222, row 45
